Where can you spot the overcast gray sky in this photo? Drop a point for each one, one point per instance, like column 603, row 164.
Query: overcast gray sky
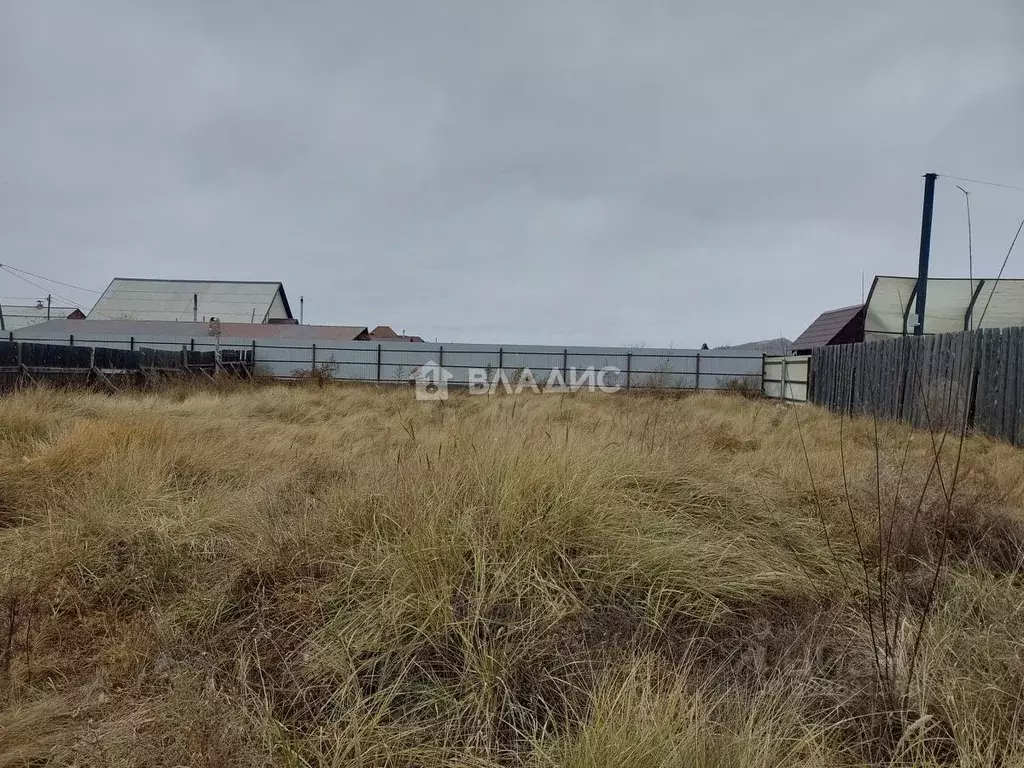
column 549, row 172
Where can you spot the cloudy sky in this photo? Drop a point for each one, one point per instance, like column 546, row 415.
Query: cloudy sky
column 570, row 172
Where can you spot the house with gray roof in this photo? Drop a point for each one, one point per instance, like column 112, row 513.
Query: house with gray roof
column 230, row 301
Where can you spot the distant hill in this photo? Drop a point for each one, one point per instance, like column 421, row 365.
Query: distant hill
column 780, row 346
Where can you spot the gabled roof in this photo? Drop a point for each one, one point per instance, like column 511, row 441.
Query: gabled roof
column 826, row 327
column 229, row 300
column 16, row 317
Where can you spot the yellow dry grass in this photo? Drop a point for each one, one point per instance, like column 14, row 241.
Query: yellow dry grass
column 294, row 576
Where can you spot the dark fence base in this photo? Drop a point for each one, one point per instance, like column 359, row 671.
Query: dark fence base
column 26, row 364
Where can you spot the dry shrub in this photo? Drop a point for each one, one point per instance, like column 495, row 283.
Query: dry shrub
column 749, row 388
column 319, row 377
column 918, row 514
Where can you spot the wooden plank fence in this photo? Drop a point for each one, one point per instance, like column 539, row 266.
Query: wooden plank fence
column 973, row 380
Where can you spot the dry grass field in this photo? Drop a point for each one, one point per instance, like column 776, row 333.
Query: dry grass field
column 297, row 576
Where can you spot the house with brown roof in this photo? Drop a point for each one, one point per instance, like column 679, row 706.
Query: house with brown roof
column 836, row 326
column 387, row 333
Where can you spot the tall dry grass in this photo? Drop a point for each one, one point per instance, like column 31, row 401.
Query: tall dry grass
column 303, row 576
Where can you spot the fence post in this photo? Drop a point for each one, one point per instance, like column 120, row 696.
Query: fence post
column 629, row 367
column 809, row 384
column 132, row 344
column 71, row 340
column 440, row 356
column 696, row 376
column 253, row 361
column 313, row 366
column 565, row 364
column 378, row 361
column 501, row 358
column 783, row 391
column 764, row 371
column 192, row 345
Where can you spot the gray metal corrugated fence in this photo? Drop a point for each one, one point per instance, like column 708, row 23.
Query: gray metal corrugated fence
column 395, row 361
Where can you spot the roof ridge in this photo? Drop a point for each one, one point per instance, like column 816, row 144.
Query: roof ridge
column 193, row 280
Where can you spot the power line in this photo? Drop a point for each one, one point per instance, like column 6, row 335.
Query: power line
column 1000, row 275
column 62, row 298
column 6, row 269
column 986, row 183
column 9, row 270
column 51, row 280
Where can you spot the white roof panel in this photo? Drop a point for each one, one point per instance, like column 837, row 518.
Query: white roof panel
column 172, row 300
column 991, row 304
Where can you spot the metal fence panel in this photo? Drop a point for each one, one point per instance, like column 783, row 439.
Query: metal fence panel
column 787, row 377
column 398, row 361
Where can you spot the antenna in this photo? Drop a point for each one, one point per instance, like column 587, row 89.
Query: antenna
column 970, row 247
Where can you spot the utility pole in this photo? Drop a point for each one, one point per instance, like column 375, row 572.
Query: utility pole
column 215, row 331
column 926, row 245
